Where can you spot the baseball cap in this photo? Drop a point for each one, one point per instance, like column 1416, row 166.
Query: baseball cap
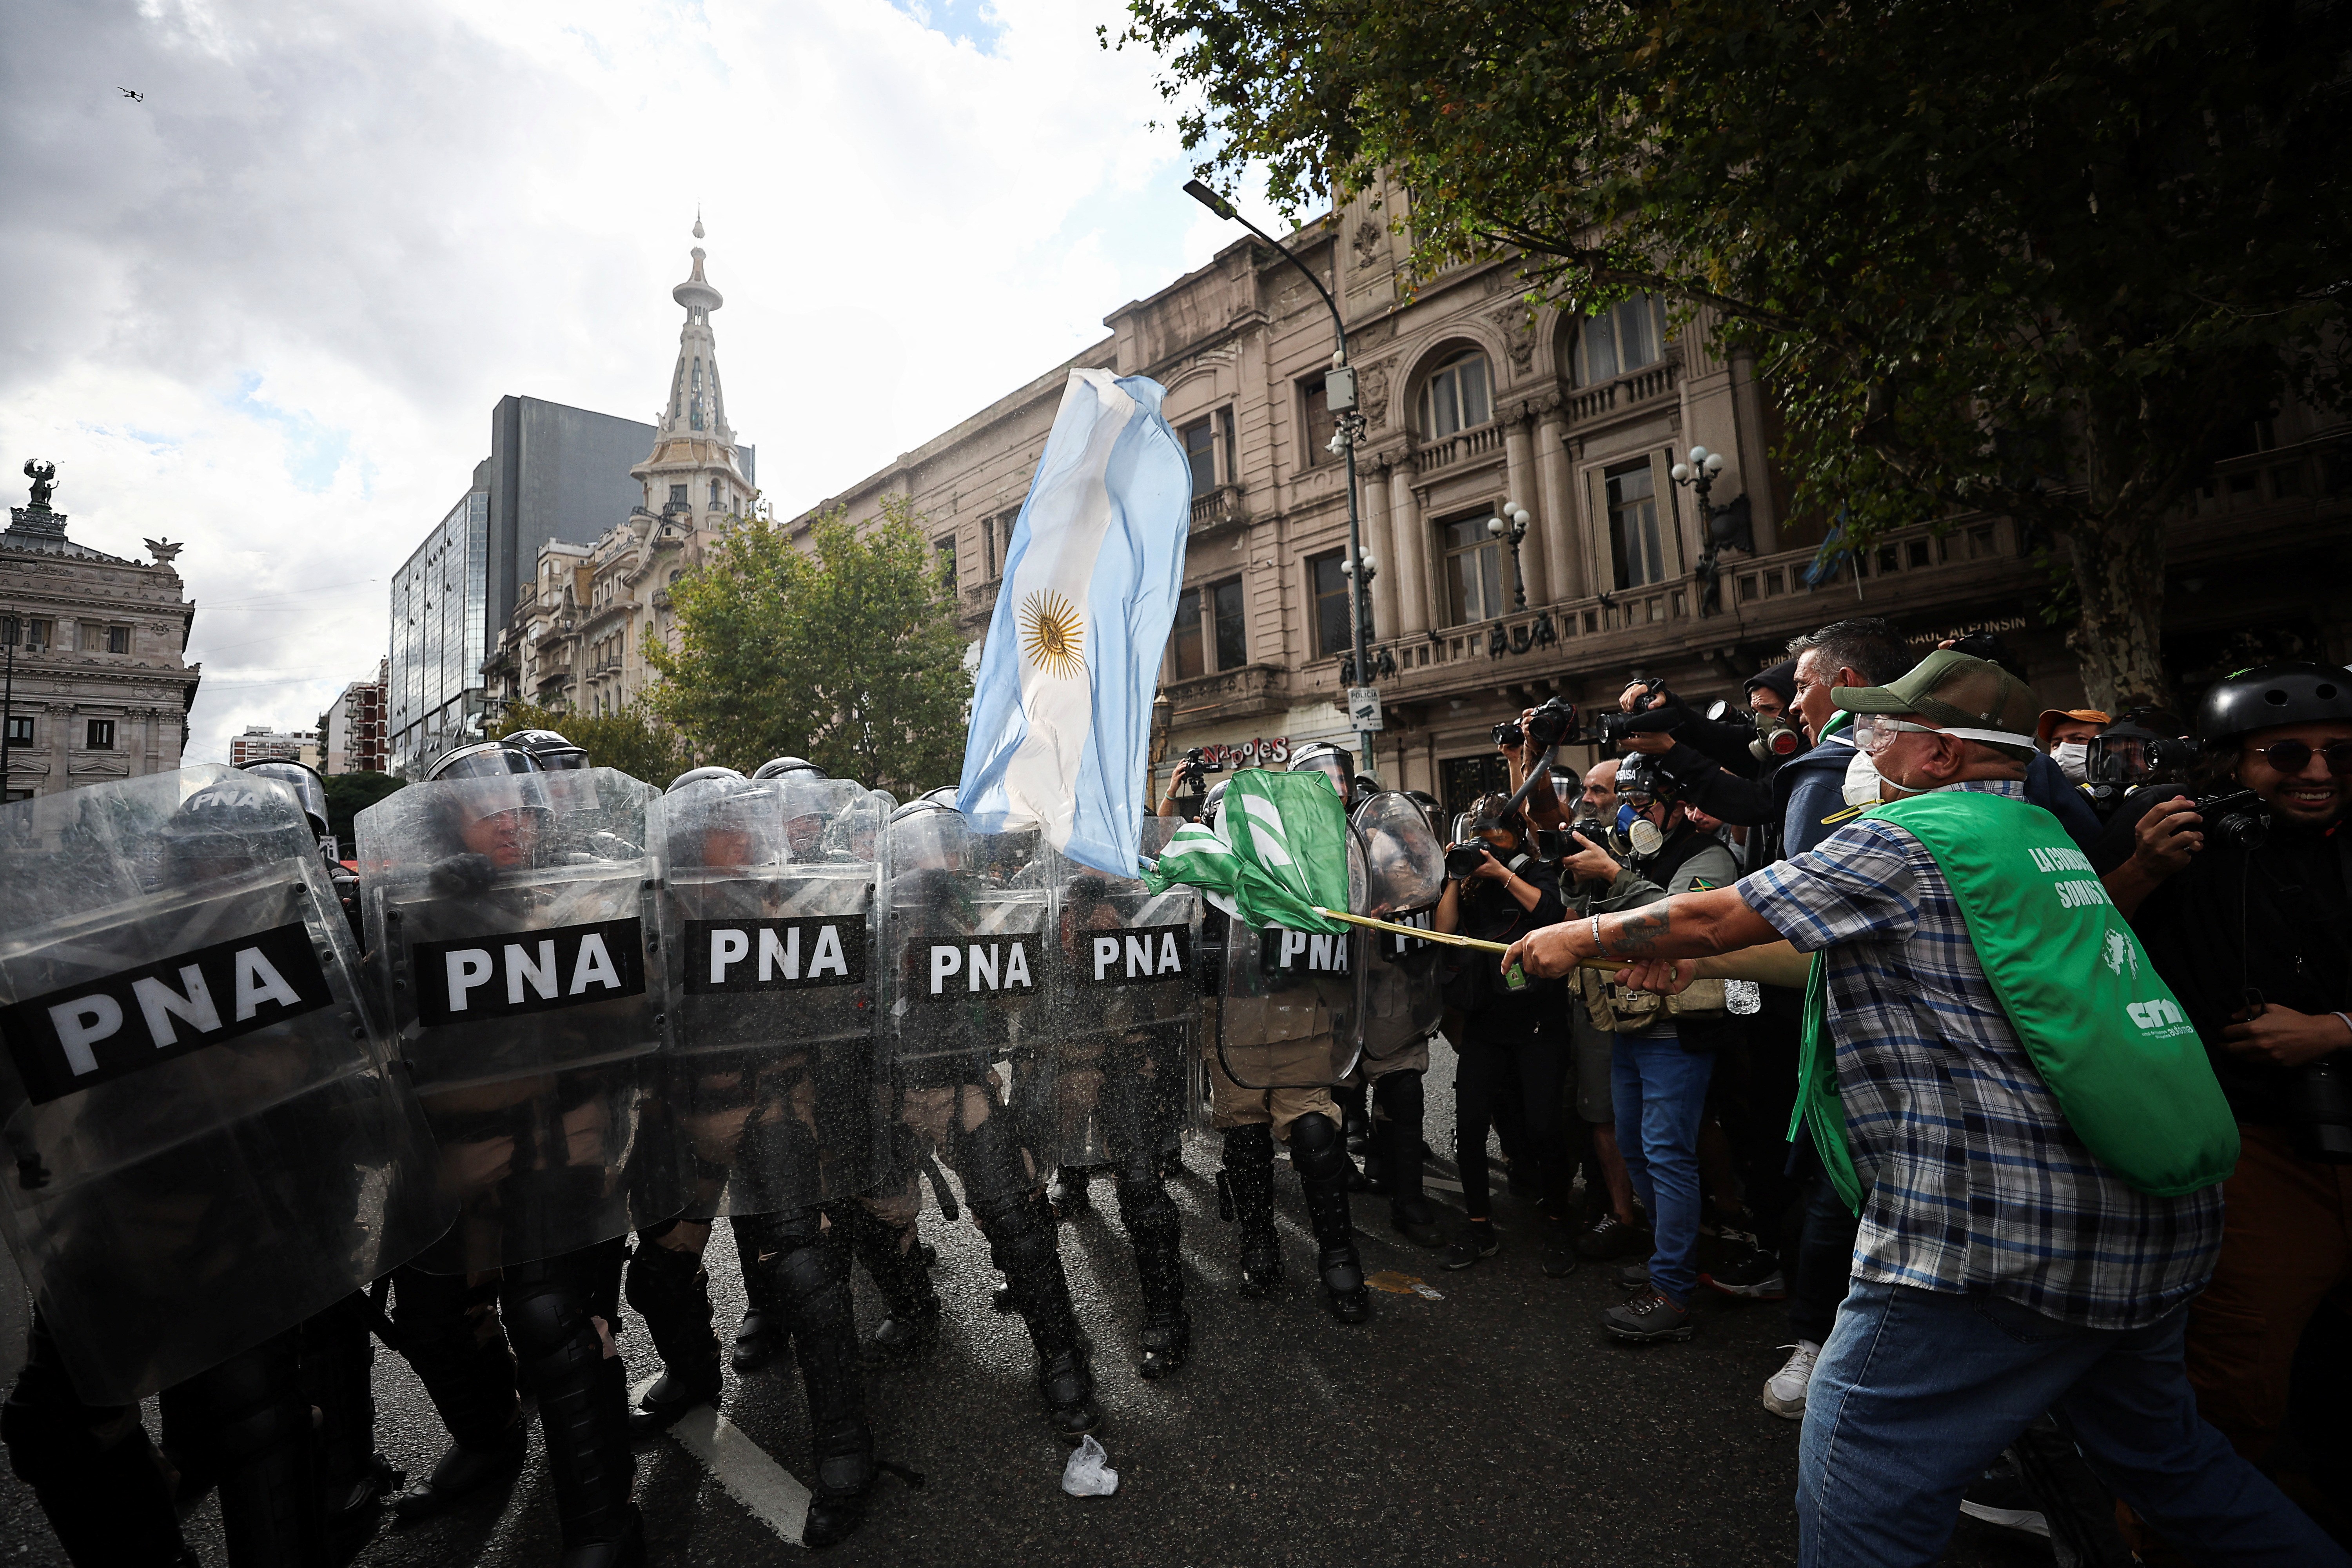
column 1971, row 697
column 2052, row 717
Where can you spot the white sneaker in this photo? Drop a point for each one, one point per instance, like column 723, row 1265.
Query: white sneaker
column 1784, row 1391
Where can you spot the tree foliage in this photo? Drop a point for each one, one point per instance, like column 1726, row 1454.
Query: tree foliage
column 846, row 653
column 348, row 795
column 631, row 740
column 2040, row 256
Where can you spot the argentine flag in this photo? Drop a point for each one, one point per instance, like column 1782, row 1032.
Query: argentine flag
column 1060, row 711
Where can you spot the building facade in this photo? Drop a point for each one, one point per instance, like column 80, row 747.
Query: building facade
column 577, row 639
column 352, row 733
column 1478, row 407
column 96, row 686
column 260, row 743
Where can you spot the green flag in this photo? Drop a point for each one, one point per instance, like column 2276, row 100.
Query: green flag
column 1279, row 849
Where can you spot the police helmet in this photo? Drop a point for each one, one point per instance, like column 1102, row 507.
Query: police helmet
column 697, row 775
column 1334, row 762
column 225, row 827
column 2274, row 694
column 1209, row 802
column 483, row 760
column 304, row 781
column 554, row 753
column 778, row 767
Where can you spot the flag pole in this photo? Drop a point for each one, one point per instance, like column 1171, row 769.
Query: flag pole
column 1452, row 939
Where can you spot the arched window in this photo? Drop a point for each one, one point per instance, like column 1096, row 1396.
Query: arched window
column 1621, row 338
column 1456, row 397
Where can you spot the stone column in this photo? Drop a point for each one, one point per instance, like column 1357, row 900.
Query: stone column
column 1519, row 474
column 1373, row 490
column 1405, row 528
column 1563, row 539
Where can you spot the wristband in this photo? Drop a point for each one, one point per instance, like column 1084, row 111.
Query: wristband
column 1598, row 951
column 2346, row 1019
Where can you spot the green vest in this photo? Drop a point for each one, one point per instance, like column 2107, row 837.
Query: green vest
column 2101, row 1026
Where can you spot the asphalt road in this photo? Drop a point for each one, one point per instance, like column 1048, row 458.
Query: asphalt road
column 1492, row 1424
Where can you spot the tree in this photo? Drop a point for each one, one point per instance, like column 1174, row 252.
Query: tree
column 348, row 795
column 630, row 741
column 846, row 653
column 2038, row 256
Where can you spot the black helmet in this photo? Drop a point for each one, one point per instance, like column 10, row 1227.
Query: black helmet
column 227, row 828
column 2274, row 694
column 1641, row 778
column 553, row 752
column 482, row 760
column 696, row 776
column 777, row 767
column 304, row 779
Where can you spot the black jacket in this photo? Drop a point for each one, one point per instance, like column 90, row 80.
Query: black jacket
column 2275, row 922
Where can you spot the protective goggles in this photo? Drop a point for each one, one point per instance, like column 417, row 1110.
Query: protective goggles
column 1874, row 732
column 2291, row 757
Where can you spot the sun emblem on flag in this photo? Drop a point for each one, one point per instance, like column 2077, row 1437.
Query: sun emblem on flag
column 1053, row 635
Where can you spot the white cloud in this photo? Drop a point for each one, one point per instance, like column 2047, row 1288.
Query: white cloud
column 268, row 310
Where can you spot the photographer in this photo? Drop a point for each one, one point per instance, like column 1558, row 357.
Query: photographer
column 2243, row 900
column 1511, row 1049
column 1194, row 769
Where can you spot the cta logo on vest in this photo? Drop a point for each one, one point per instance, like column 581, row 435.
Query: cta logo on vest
column 84, row 1035
column 2162, row 1016
column 484, row 978
column 1140, row 955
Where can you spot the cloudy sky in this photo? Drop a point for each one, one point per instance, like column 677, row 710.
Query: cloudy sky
column 267, row 311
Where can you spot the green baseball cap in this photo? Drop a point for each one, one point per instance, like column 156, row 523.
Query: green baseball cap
column 1973, row 698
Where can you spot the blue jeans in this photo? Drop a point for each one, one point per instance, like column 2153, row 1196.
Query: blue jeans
column 1917, row 1391
column 1659, row 1092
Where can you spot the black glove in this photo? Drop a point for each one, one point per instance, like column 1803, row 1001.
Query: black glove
column 464, row 875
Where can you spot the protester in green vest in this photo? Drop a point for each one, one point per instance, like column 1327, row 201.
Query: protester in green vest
column 2006, row 1088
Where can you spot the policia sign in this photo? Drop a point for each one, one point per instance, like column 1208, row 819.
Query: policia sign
column 109, row 1028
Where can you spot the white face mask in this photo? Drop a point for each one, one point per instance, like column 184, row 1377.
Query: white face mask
column 2069, row 755
column 1865, row 785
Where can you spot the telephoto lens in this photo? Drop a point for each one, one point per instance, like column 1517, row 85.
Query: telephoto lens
column 1463, row 860
column 1508, row 733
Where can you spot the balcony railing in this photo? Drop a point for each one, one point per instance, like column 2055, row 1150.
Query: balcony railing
column 1651, row 383
column 1448, row 450
column 1221, row 508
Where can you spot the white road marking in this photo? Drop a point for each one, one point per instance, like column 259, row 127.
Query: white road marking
column 1441, row 1184
column 774, row 1494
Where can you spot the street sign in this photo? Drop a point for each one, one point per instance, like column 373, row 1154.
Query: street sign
column 1363, row 708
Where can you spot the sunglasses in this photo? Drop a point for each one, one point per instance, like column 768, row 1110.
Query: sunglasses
column 2291, row 757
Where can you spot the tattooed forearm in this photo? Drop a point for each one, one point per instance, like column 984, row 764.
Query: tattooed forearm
column 1636, row 933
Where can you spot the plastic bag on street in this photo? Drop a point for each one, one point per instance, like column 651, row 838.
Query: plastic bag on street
column 1088, row 1474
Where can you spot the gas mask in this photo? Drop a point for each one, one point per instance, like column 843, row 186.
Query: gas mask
column 1636, row 835
column 1776, row 740
column 2070, row 756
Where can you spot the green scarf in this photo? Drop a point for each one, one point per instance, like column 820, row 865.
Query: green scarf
column 2101, row 1026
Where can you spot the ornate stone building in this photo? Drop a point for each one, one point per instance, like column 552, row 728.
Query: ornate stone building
column 1478, row 407
column 577, row 639
column 97, row 687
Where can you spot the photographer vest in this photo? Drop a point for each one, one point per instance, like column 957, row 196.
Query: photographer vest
column 2101, row 1027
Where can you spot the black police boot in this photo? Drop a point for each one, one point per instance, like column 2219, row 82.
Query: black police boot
column 1022, row 1243
column 255, row 1431
column 812, row 1279
column 1397, row 1097
column 1321, row 1161
column 92, row 1467
column 1245, row 1192
column 671, row 1291
column 584, row 1413
column 1154, row 1228
column 338, row 1381
column 1355, row 1121
column 898, row 1264
column 761, row 1336
column 450, row 1335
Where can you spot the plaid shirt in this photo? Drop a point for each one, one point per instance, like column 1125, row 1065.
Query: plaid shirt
column 1976, row 1183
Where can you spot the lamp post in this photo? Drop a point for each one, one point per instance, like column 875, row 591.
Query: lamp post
column 1698, row 476
column 8, row 630
column 1339, row 396
column 1511, row 524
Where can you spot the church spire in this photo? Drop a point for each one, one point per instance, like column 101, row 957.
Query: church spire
column 694, row 466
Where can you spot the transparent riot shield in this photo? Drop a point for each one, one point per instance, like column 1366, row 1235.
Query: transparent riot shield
column 1290, row 1013
column 966, row 918
column 1123, row 1010
column 210, row 1141
column 1404, row 877
column 769, row 1007
column 510, row 925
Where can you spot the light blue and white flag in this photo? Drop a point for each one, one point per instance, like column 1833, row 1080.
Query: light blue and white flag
column 1061, row 712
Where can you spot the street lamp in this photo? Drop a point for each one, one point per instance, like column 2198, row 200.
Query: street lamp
column 1340, row 397
column 1719, row 526
column 11, row 627
column 1512, row 524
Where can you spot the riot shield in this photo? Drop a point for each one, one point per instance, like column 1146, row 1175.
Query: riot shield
column 1122, row 1011
column 769, row 1011
column 964, row 947
column 1404, row 877
column 508, row 921
column 210, row 1143
column 1289, row 1017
